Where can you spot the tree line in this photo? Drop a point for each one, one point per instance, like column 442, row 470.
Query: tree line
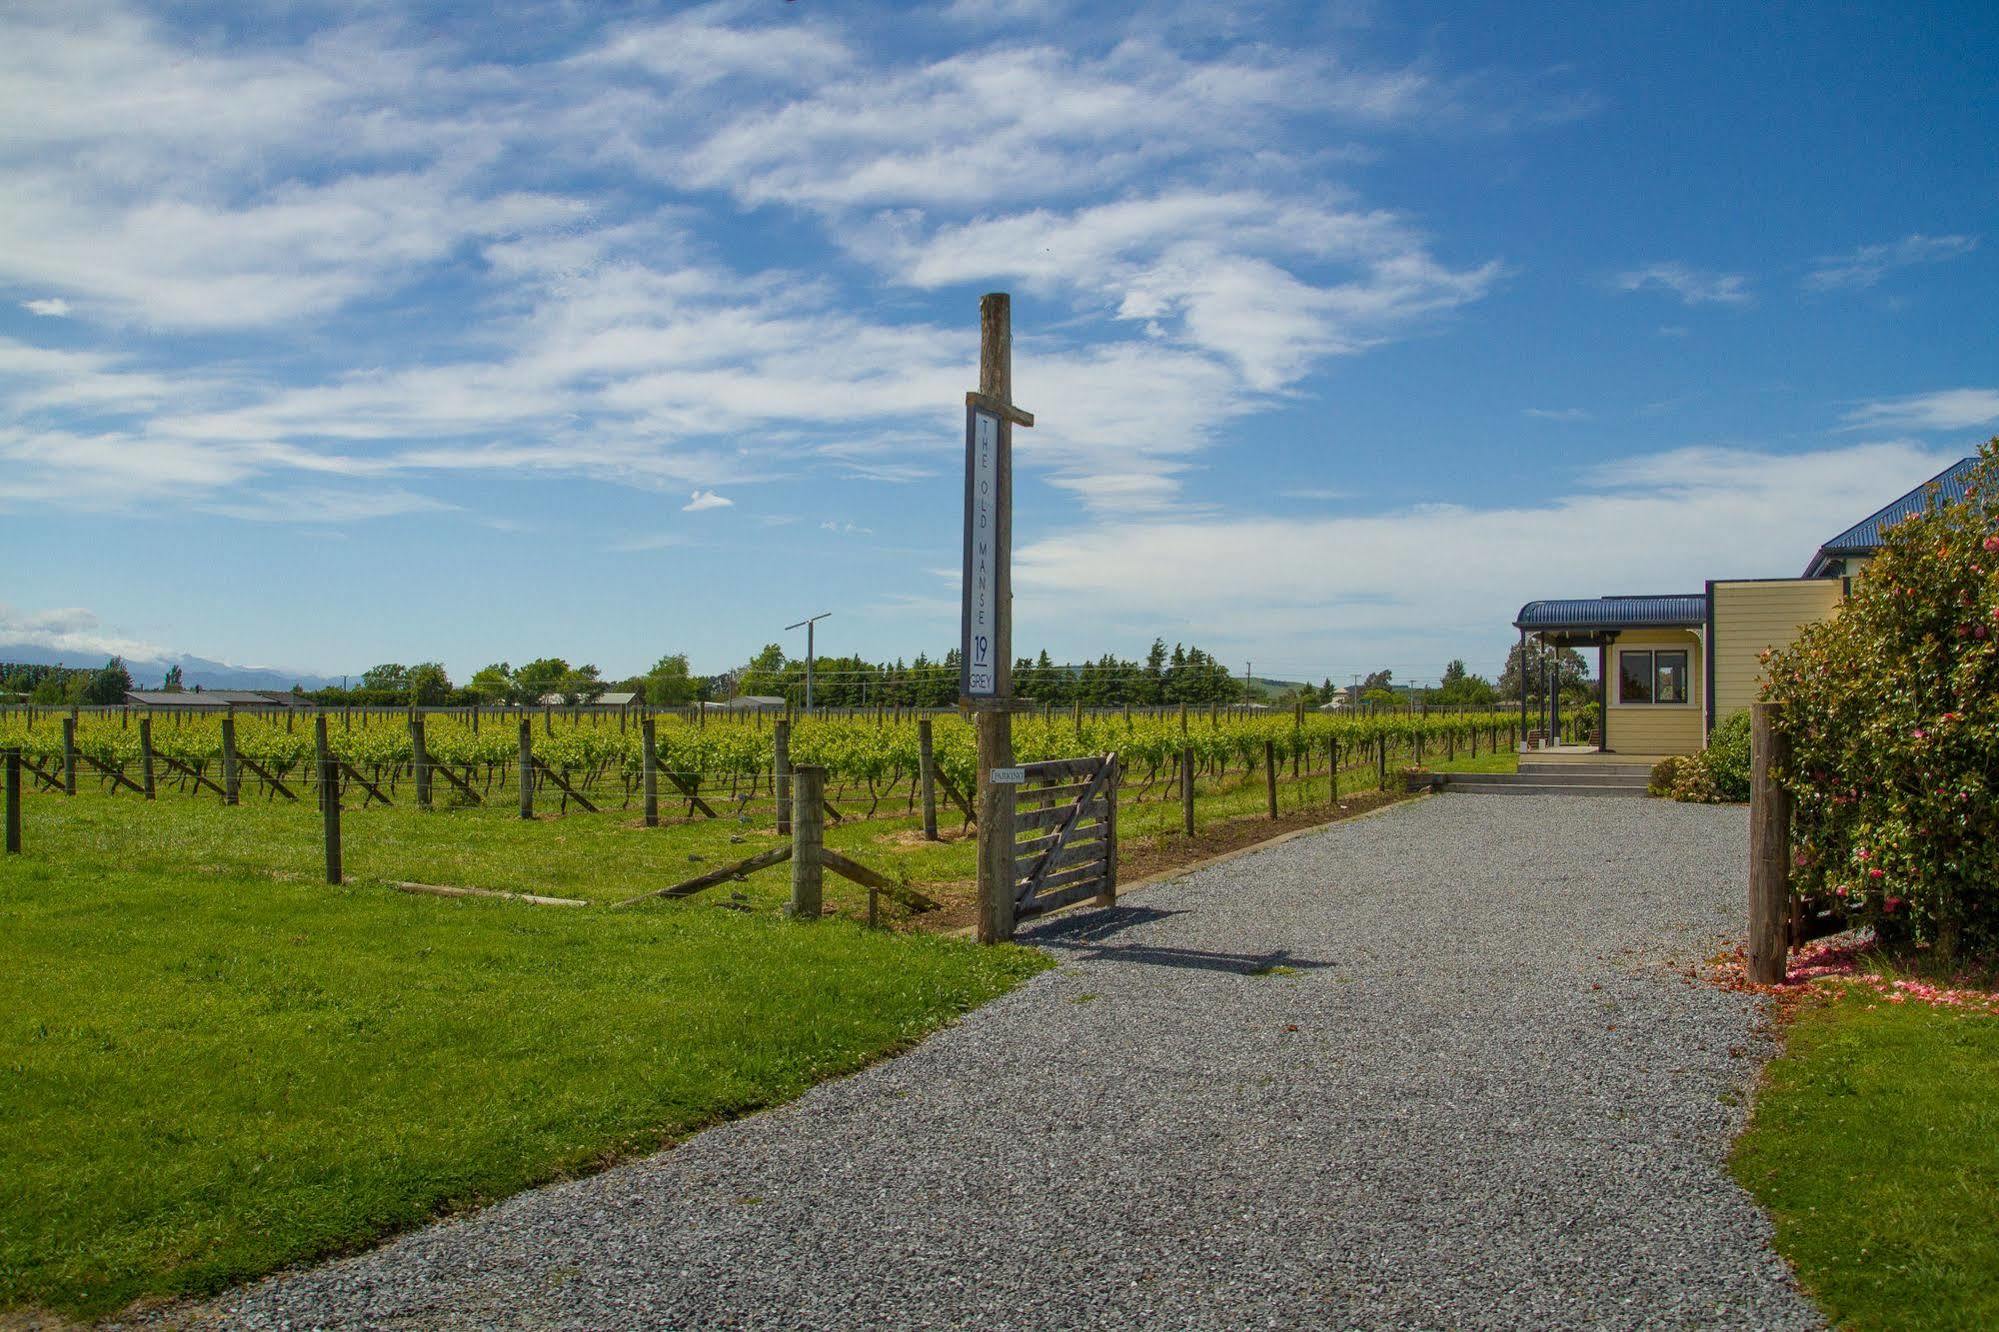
column 1166, row 677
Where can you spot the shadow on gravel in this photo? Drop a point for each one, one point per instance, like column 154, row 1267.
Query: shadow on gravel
column 1087, row 936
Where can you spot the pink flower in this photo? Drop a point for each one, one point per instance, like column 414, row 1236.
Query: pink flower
column 1992, row 544
column 1890, row 903
column 1876, row 873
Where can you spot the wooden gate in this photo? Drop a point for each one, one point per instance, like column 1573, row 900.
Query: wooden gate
column 1065, row 831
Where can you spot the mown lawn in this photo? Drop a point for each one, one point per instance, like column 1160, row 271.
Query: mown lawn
column 1875, row 1145
column 207, row 1072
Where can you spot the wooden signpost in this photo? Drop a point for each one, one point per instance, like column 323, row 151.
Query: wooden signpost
column 985, row 684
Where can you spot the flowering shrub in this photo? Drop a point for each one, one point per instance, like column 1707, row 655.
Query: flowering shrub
column 1664, row 773
column 1893, row 716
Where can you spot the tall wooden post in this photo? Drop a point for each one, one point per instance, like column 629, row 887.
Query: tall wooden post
column 230, row 777
column 926, row 762
column 1270, row 774
column 808, row 838
column 649, row 771
column 527, row 768
column 1333, row 771
column 146, row 755
column 780, row 770
column 1108, row 895
column 1187, row 789
column 69, row 754
column 420, row 760
column 14, row 801
column 992, row 721
column 1769, row 844
column 329, row 798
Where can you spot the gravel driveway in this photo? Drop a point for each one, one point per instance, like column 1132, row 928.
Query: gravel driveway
column 1474, row 1097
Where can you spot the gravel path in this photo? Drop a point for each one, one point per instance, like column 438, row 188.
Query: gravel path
column 1476, row 1099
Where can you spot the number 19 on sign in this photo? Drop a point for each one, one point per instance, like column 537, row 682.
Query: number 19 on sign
column 979, row 674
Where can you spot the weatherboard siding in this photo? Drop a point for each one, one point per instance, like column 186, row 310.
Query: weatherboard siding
column 1657, row 728
column 1750, row 617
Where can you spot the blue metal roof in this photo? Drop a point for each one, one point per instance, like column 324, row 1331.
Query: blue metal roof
column 1864, row 537
column 1614, row 613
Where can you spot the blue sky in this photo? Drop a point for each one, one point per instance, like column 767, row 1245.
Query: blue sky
column 383, row 333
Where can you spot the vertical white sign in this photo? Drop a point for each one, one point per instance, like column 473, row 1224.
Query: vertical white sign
column 978, row 674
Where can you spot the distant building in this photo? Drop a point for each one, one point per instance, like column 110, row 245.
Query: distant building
column 613, row 698
column 754, row 703
column 211, row 699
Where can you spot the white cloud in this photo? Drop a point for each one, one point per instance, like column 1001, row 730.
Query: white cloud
column 704, row 500
column 1870, row 263
column 1693, row 286
column 71, row 629
column 318, row 506
column 1948, row 409
column 1564, row 414
column 53, row 307
column 1418, row 583
column 845, row 528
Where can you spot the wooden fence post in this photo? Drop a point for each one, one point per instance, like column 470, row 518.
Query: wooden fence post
column 1270, row 774
column 926, row 759
column 1187, row 789
column 649, row 768
column 1769, row 844
column 69, row 754
column 780, row 775
column 1381, row 762
column 527, row 768
column 230, row 788
column 420, row 760
column 14, row 801
column 1333, row 771
column 329, row 798
column 808, row 833
column 146, row 755
column 1108, row 895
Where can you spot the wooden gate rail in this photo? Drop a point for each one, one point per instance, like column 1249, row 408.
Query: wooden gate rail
column 1069, row 852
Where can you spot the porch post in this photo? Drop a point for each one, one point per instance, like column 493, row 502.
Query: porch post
column 1603, row 698
column 1523, row 687
column 1555, row 698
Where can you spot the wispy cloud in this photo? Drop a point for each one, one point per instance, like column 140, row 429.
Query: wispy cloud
column 1947, row 409
column 52, row 307
column 845, row 528
column 706, row 499
column 71, row 629
column 1565, row 414
column 1314, row 493
column 1870, row 263
column 1693, row 286
column 1416, row 583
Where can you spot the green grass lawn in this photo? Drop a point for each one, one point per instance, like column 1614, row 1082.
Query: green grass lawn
column 207, row 1072
column 1875, row 1145
column 213, row 1064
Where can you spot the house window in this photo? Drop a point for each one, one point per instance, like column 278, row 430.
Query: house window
column 1652, row 677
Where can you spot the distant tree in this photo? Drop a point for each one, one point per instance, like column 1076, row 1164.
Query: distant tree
column 539, row 678
column 582, row 684
column 1382, row 698
column 1460, row 688
column 108, row 685
column 172, row 684
column 1539, row 661
column 1383, row 680
column 668, row 684
column 763, row 674
column 388, row 678
column 428, row 683
column 493, row 684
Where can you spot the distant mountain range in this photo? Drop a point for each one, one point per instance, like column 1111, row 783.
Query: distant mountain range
column 147, row 674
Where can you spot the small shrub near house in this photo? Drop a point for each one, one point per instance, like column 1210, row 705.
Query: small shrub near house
column 1716, row 775
column 1893, row 716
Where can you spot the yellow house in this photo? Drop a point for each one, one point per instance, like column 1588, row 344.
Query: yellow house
column 1669, row 667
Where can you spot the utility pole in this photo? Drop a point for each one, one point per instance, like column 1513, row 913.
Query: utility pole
column 807, row 624
column 1246, row 700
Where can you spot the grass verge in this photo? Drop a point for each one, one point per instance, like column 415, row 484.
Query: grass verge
column 1875, row 1146
column 206, row 1075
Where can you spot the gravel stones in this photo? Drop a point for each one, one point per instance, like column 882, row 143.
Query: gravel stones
column 1429, row 1068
